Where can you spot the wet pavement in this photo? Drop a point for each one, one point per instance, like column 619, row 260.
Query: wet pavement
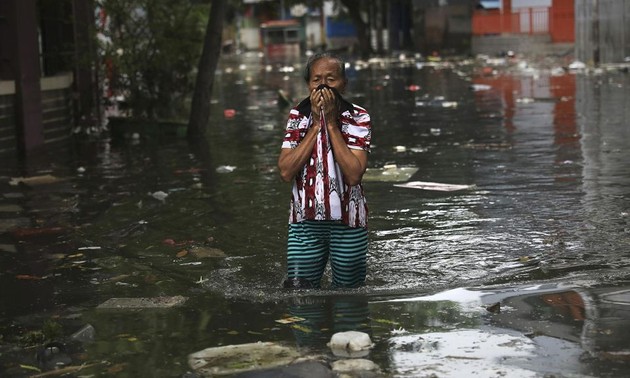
column 523, row 273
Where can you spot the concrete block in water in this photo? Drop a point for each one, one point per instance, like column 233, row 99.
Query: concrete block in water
column 234, row 359
column 137, row 303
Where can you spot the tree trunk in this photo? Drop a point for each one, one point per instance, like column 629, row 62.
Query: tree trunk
column 381, row 8
column 355, row 8
column 200, row 107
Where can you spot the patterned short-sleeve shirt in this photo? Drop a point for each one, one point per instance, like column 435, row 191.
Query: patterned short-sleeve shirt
column 319, row 191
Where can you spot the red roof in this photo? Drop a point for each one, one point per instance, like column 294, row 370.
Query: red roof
column 279, row 23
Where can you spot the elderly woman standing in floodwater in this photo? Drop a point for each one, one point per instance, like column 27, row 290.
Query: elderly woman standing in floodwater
column 324, row 154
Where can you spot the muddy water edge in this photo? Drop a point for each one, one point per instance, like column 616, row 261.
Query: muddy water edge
column 525, row 273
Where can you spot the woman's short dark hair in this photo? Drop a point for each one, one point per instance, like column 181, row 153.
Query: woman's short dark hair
column 325, row 54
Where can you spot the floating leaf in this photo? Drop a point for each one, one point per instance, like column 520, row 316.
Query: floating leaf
column 33, row 232
column 119, row 278
column 29, row 367
column 301, row 328
column 27, row 277
column 116, row 368
column 290, row 319
column 34, row 180
column 254, row 333
column 232, row 332
column 182, row 253
column 385, row 321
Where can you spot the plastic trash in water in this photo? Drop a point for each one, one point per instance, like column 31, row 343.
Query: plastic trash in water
column 434, row 186
column 389, row 173
column 225, row 168
column 159, row 195
column 350, row 344
column 480, row 87
column 577, row 65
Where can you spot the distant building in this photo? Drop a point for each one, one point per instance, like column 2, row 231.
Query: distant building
column 524, row 26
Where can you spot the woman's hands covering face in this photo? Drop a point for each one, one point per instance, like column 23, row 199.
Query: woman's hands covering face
column 324, row 97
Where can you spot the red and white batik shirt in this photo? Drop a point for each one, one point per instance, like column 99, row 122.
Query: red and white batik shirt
column 319, row 192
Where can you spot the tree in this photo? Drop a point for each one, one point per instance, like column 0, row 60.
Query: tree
column 356, row 9
column 200, row 107
column 150, row 48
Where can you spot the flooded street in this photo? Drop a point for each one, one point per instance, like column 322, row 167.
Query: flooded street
column 522, row 273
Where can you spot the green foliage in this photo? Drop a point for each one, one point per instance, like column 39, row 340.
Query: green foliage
column 50, row 331
column 32, row 338
column 154, row 48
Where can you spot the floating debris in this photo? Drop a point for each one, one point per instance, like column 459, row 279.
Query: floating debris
column 399, row 331
column 350, row 344
column 34, row 180
column 225, row 169
column 136, row 303
column 159, row 195
column 21, row 233
column 524, row 100
column 234, row 359
column 389, row 173
column 434, row 186
column 437, row 102
column 92, row 248
column 290, row 319
column 494, row 308
column 202, row 280
column 576, row 65
column 266, row 127
column 480, row 87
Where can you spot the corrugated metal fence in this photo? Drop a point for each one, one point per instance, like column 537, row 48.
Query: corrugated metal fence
column 602, row 31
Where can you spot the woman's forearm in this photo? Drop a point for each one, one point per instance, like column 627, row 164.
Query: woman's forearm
column 291, row 160
column 352, row 162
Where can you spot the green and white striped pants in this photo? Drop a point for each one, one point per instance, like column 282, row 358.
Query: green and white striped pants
column 312, row 243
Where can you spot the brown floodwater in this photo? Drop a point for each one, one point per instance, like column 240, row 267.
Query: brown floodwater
column 543, row 228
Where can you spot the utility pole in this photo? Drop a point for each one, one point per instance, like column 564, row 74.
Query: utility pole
column 596, row 46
